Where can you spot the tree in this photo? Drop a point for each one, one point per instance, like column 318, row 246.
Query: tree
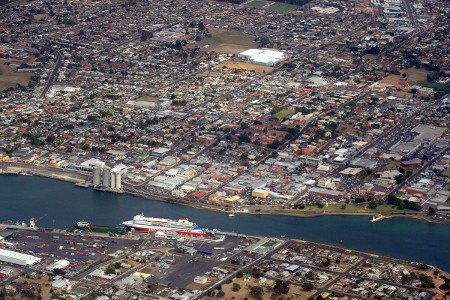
column 307, row 286
column 201, row 26
column 50, row 139
column 264, row 42
column 256, row 292
column 110, row 269
column 59, row 272
column 236, row 287
column 244, row 138
column 426, row 281
column 326, row 263
column 3, row 293
column 178, row 45
column 281, row 287
column 431, row 211
column 372, row 204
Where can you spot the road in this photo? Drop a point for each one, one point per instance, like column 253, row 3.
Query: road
column 53, row 74
column 419, row 171
column 243, row 270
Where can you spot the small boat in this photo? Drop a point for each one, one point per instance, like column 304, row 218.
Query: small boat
column 82, row 225
column 231, row 215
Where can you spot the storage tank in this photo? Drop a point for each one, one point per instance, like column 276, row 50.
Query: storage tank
column 113, row 181
column 106, row 177
column 97, row 172
column 118, row 181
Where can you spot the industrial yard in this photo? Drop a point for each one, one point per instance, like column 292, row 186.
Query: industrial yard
column 77, row 264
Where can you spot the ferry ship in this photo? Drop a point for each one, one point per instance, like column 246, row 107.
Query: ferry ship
column 181, row 227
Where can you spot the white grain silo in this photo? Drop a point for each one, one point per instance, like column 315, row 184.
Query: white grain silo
column 97, row 172
column 118, row 181
column 113, row 181
column 106, row 177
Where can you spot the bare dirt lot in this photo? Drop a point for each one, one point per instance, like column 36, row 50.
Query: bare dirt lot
column 148, row 99
column 227, row 41
column 295, row 292
column 413, row 75
column 242, row 65
column 9, row 77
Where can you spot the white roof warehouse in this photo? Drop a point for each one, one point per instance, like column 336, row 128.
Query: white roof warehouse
column 18, row 258
column 264, row 57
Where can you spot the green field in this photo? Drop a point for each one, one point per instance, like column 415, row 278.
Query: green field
column 353, row 208
column 433, row 85
column 284, row 114
column 282, row 7
column 255, row 4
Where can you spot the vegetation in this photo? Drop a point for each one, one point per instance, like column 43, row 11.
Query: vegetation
column 93, row 295
column 434, row 85
column 281, row 287
column 403, row 204
column 284, row 114
column 255, row 4
column 256, row 292
column 111, row 269
column 236, row 287
column 59, row 272
column 307, row 286
column 283, row 7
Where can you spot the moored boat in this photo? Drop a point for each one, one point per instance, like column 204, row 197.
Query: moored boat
column 149, row 224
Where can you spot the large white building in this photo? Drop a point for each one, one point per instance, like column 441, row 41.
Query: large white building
column 18, row 258
column 265, row 57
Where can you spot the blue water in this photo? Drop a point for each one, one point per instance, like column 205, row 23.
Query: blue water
column 61, row 204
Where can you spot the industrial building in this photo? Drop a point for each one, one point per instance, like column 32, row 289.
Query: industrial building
column 18, row 258
column 327, row 193
column 260, row 193
column 263, row 57
column 107, row 178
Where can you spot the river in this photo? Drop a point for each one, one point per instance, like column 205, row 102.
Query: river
column 61, row 204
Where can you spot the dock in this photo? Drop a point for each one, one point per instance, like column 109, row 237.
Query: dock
column 378, row 218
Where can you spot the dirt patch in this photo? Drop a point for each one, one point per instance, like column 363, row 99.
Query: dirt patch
column 347, row 128
column 295, row 292
column 227, row 41
column 148, row 99
column 43, row 282
column 39, row 17
column 9, row 77
column 411, row 76
column 242, row 65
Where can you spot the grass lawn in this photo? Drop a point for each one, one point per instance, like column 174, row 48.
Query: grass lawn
column 433, row 85
column 227, row 41
column 10, row 77
column 284, row 114
column 255, row 4
column 282, row 7
column 353, row 208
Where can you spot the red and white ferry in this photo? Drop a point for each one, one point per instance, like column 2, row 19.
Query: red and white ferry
column 182, row 226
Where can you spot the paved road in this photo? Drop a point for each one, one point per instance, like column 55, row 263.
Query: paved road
column 52, row 77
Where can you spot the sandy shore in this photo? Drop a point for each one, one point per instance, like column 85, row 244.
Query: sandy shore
column 79, row 177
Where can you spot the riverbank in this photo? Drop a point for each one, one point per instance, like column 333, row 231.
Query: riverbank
column 60, row 204
column 79, row 178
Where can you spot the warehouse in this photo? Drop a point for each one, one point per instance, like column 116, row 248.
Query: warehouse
column 263, row 57
column 328, row 193
column 18, row 258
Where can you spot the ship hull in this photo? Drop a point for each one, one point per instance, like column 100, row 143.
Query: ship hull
column 160, row 229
